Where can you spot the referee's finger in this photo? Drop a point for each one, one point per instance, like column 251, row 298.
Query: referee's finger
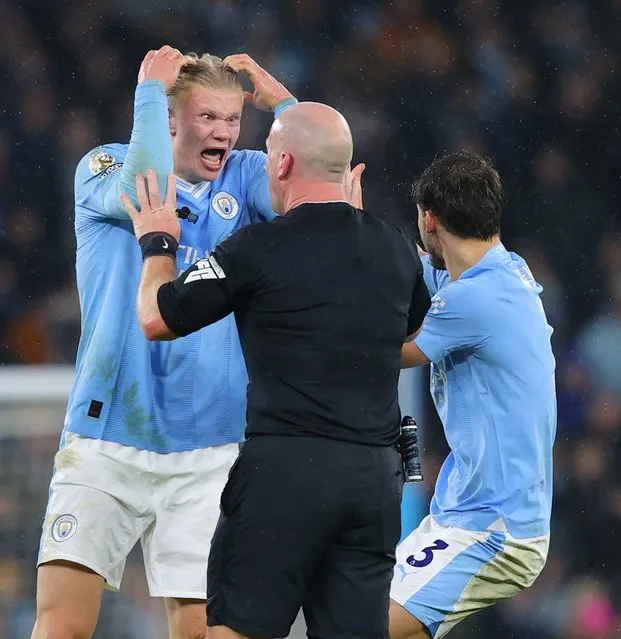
column 155, row 199
column 171, row 192
column 141, row 192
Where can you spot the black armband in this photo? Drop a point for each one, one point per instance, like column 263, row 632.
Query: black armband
column 158, row 243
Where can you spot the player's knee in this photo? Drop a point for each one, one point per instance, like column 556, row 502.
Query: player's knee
column 186, row 619
column 52, row 624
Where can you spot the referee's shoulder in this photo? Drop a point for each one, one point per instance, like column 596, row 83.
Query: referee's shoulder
column 388, row 229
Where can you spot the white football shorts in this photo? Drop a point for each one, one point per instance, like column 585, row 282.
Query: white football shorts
column 444, row 574
column 104, row 497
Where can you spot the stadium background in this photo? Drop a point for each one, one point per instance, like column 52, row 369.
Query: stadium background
column 533, row 84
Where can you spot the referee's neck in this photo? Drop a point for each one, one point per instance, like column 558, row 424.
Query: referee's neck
column 313, row 191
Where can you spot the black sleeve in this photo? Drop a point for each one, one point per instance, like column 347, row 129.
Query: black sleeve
column 420, row 301
column 210, row 289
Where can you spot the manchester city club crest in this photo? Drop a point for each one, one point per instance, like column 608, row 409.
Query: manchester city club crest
column 64, row 527
column 225, row 205
column 100, row 161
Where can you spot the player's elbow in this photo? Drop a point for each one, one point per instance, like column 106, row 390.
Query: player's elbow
column 154, row 328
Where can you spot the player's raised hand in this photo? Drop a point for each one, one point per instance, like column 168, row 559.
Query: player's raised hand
column 268, row 92
column 353, row 185
column 163, row 65
column 154, row 215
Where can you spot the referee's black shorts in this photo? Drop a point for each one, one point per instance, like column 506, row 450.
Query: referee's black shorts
column 306, row 522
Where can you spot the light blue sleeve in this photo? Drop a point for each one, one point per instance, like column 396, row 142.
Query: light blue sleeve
column 107, row 171
column 259, row 199
column 435, row 278
column 459, row 319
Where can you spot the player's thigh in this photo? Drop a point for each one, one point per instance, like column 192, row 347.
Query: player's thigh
column 187, row 618
column 445, row 574
column 279, row 511
column 68, row 601
column 187, row 496
column 350, row 591
column 403, row 625
column 95, row 512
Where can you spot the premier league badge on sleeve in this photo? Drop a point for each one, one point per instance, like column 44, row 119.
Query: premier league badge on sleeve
column 64, row 527
column 225, row 205
column 100, row 161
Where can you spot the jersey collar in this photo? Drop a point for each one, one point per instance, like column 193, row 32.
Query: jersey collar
column 195, row 190
column 497, row 253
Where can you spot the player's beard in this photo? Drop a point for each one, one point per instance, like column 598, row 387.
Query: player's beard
column 437, row 261
column 435, row 256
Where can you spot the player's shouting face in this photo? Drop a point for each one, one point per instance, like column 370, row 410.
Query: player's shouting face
column 204, row 124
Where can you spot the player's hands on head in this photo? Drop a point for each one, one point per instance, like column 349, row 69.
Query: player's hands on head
column 353, row 185
column 268, row 92
column 154, row 215
column 163, row 65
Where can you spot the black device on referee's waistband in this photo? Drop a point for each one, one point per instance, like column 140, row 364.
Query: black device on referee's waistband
column 408, row 447
column 184, row 213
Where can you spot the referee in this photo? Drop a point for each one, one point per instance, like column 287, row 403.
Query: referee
column 324, row 297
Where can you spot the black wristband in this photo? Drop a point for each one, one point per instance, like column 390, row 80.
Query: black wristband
column 158, row 243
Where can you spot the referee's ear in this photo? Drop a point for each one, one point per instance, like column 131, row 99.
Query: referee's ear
column 285, row 165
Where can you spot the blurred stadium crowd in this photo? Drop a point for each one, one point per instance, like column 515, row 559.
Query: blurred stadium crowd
column 532, row 84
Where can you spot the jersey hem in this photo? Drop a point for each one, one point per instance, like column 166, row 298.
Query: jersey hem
column 152, row 449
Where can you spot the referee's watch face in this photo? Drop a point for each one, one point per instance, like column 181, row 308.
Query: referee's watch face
column 204, row 124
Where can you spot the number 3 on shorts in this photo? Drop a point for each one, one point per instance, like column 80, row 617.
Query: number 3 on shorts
column 438, row 544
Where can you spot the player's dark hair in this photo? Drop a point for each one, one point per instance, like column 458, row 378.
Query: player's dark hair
column 464, row 193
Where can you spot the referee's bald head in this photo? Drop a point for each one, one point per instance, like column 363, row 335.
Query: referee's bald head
column 318, row 139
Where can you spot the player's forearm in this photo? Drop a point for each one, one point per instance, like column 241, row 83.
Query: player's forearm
column 150, row 145
column 156, row 271
column 412, row 356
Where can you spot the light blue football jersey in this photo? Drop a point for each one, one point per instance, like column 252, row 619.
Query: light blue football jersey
column 159, row 396
column 492, row 382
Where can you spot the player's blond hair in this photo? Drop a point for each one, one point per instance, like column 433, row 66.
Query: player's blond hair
column 209, row 72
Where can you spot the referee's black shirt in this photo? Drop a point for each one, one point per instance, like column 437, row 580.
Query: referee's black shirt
column 324, row 298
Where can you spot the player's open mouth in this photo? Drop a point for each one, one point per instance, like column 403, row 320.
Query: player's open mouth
column 213, row 159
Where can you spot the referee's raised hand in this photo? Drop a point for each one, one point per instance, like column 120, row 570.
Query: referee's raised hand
column 163, row 65
column 268, row 92
column 353, row 185
column 154, row 215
